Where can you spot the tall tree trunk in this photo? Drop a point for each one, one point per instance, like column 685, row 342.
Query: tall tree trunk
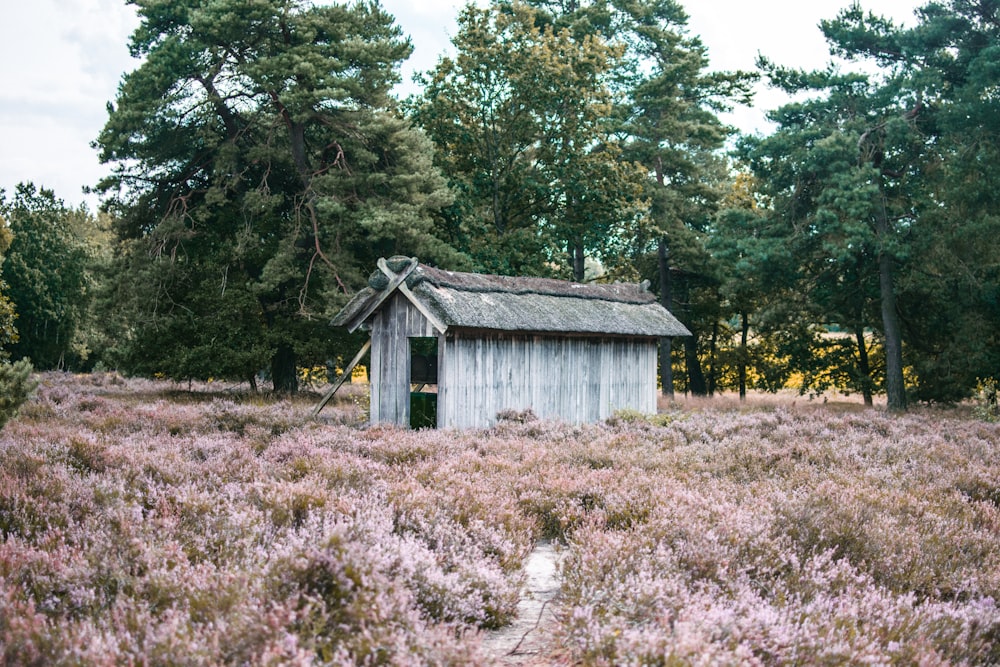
column 696, row 378
column 283, row 374
column 579, row 268
column 666, row 300
column 895, row 389
column 742, row 363
column 864, row 365
column 712, row 353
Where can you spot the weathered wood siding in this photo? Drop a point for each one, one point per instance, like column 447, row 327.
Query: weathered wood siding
column 574, row 379
column 392, row 327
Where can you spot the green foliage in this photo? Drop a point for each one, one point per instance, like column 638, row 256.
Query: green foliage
column 522, row 120
column 667, row 104
column 869, row 186
column 582, row 131
column 8, row 330
column 16, row 386
column 259, row 171
column 627, row 417
column 48, row 271
column 986, row 407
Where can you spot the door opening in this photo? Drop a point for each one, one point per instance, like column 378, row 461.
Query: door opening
column 423, row 382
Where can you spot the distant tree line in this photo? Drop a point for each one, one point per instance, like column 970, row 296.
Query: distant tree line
column 259, row 165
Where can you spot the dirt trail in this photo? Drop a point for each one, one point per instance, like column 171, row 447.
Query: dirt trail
column 528, row 640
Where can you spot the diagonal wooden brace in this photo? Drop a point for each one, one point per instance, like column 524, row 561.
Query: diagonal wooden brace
column 343, row 377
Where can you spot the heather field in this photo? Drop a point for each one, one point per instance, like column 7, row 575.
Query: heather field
column 146, row 524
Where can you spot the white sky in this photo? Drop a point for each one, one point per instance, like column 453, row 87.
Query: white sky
column 62, row 61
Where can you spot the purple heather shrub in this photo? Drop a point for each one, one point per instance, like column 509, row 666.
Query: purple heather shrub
column 143, row 523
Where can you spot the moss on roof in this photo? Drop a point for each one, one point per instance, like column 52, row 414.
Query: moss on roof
column 520, row 304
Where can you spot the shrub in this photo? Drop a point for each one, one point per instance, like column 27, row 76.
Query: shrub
column 140, row 525
column 16, row 386
column 986, row 406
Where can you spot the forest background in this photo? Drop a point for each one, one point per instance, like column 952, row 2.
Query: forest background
column 259, row 165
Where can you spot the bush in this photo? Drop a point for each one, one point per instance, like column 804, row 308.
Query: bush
column 986, row 400
column 16, row 386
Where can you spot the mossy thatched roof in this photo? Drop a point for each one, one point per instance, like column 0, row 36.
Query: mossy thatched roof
column 528, row 305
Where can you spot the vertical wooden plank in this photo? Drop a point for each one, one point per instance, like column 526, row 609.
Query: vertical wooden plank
column 580, row 380
column 649, row 372
column 545, row 356
column 390, row 367
column 453, row 390
column 459, row 399
column 451, row 384
column 578, row 359
column 575, row 364
column 392, row 363
column 441, row 416
column 519, row 370
column 509, row 352
column 607, row 364
column 592, row 374
column 374, row 373
column 468, row 378
column 516, row 370
column 471, row 417
column 479, row 382
column 396, row 390
column 559, row 373
column 602, row 378
column 621, row 362
column 534, row 380
column 500, row 376
column 621, row 370
column 550, row 360
column 627, row 362
column 558, row 409
column 403, row 371
column 486, row 391
column 626, row 380
column 568, row 407
column 387, row 395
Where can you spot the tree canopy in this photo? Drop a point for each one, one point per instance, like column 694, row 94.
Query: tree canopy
column 259, row 165
column 48, row 271
column 872, row 180
column 258, row 171
column 521, row 117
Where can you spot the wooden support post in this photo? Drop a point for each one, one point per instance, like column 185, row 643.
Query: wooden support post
column 343, row 377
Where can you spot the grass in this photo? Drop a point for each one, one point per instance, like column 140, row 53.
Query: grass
column 144, row 523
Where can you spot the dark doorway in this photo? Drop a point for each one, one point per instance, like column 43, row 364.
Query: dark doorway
column 423, row 382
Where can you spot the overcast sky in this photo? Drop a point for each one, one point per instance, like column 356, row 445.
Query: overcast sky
column 62, row 61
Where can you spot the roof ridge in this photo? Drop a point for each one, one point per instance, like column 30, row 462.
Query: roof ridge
column 530, row 285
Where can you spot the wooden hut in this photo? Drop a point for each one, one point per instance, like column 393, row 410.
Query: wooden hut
column 485, row 344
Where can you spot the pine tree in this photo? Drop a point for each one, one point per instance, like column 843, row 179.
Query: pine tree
column 259, row 170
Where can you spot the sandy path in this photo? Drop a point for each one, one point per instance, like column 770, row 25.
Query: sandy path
column 528, row 640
